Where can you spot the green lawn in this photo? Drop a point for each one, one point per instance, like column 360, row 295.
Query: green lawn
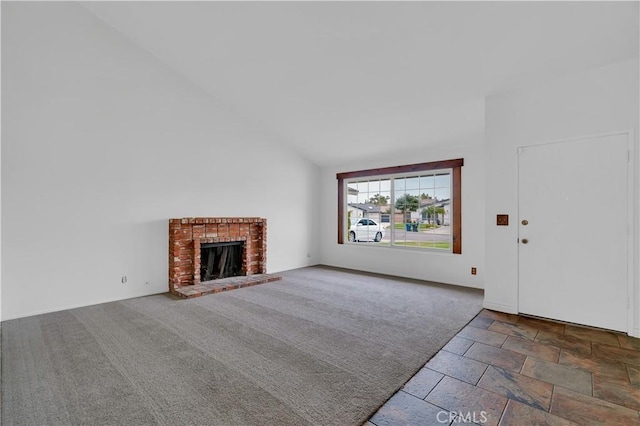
column 424, row 244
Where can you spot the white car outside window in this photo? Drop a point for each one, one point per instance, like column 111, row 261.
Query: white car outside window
column 365, row 229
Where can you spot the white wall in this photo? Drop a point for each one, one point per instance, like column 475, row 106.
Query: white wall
column 101, row 145
column 424, row 265
column 0, row 177
column 593, row 102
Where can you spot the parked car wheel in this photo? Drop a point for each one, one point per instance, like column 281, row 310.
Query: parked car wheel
column 352, row 236
column 378, row 237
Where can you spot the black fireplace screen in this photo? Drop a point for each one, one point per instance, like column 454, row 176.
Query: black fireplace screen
column 220, row 260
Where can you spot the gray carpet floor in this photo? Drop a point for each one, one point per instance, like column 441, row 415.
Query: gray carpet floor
column 322, row 347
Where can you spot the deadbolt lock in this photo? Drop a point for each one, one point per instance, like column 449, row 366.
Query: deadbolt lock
column 525, row 241
column 525, row 222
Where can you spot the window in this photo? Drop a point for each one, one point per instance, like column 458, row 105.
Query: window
column 415, row 206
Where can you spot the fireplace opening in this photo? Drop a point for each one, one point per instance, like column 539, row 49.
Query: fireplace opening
column 221, row 260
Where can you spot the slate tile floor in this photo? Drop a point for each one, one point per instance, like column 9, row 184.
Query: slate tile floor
column 504, row 369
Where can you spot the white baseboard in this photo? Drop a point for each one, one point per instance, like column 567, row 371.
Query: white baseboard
column 81, row 305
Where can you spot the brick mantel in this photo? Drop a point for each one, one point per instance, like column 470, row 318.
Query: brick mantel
column 187, row 234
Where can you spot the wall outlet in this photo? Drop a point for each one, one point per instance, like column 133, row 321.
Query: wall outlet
column 474, row 270
column 124, row 279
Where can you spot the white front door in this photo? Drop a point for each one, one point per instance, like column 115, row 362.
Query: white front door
column 573, row 231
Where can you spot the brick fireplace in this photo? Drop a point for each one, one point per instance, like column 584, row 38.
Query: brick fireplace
column 188, row 235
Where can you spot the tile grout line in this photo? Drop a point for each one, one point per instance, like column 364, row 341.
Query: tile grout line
column 522, row 367
column 481, row 376
column 504, row 410
column 429, row 402
column 467, row 350
column 553, row 394
column 436, row 385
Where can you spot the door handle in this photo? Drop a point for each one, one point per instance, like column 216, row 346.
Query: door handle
column 525, row 241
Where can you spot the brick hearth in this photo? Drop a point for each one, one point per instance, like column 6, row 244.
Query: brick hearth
column 186, row 235
column 223, row 284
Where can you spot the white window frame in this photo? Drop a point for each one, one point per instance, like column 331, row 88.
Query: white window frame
column 392, row 215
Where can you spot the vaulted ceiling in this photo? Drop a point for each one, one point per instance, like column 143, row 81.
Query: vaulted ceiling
column 340, row 81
